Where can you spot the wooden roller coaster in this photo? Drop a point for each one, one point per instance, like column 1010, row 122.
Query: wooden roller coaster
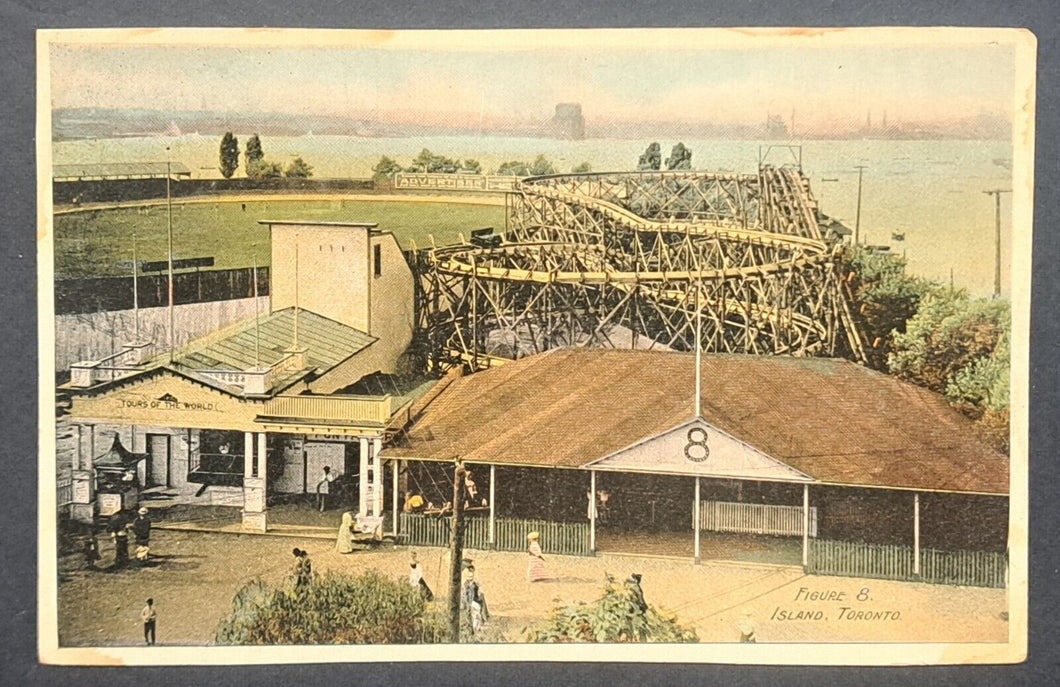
column 629, row 259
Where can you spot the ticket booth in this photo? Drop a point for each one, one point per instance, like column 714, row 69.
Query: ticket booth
column 117, row 484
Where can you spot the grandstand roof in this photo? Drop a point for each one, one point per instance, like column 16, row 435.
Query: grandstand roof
column 119, row 170
column 833, row 420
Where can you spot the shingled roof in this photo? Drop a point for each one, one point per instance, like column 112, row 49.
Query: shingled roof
column 834, row 420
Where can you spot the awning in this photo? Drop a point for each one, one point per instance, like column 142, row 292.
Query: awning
column 118, row 458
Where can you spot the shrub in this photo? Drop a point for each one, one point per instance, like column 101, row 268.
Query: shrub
column 614, row 617
column 335, row 609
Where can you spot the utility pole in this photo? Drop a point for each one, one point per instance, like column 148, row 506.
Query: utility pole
column 456, row 552
column 136, row 292
column 169, row 255
column 857, row 218
column 996, row 193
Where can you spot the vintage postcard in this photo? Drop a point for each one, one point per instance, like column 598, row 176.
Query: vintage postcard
column 693, row 345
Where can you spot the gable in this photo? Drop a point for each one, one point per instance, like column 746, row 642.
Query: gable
column 167, row 400
column 698, row 448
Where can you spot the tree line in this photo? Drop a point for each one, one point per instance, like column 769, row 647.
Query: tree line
column 257, row 167
column 427, row 161
column 935, row 336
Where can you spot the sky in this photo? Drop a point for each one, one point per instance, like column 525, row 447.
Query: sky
column 824, row 86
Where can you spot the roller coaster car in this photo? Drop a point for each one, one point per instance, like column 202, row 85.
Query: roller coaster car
column 485, row 238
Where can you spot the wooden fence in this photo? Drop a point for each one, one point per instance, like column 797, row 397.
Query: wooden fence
column 64, row 494
column 968, row 568
column 754, row 518
column 563, row 538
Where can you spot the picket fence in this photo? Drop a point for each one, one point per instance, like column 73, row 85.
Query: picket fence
column 754, row 518
column 882, row 561
column 563, row 538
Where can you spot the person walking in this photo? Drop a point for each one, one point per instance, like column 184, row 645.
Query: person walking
column 474, row 600
column 120, row 537
column 324, row 488
column 416, row 579
column 535, row 570
column 149, row 615
column 636, row 593
column 141, row 527
column 747, row 629
column 303, row 569
column 91, row 548
column 344, row 541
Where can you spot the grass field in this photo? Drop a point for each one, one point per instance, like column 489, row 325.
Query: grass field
column 93, row 243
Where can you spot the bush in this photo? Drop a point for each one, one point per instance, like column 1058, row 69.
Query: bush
column 334, row 609
column 614, row 617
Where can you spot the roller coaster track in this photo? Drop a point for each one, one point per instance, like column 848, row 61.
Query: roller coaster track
column 606, row 259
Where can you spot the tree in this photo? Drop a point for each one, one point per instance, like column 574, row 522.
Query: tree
column 471, row 166
column 334, row 609
column 299, row 169
column 427, row 161
column 955, row 345
column 651, row 159
column 514, row 168
column 229, row 155
column 885, row 297
column 253, row 156
column 541, row 166
column 583, row 168
column 680, row 158
column 620, row 615
column 385, row 169
column 269, row 170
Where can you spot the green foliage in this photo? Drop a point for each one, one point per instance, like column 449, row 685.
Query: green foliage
column 253, row 157
column 885, row 297
column 680, row 157
column 651, row 159
column 541, row 166
column 583, row 168
column 335, row 609
column 268, row 170
column 299, row 169
column 229, row 155
column 614, row 617
column 514, row 168
column 427, row 161
column 385, row 169
column 958, row 346
column 471, row 166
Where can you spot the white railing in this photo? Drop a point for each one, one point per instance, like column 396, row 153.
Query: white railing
column 754, row 518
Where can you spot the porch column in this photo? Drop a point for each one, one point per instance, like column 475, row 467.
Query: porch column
column 362, row 478
column 82, row 484
column 262, row 458
column 695, row 520
column 377, row 477
column 916, row 533
column 493, row 506
column 805, row 524
column 254, row 486
column 592, row 511
column 248, row 455
column 394, row 492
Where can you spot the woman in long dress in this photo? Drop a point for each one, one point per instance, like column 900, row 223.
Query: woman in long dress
column 535, row 570
column 344, row 544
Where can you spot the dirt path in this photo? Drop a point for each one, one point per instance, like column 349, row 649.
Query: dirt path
column 197, row 575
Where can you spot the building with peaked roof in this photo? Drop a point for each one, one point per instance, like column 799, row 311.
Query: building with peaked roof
column 787, row 446
column 260, row 407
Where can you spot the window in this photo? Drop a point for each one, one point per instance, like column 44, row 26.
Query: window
column 378, row 255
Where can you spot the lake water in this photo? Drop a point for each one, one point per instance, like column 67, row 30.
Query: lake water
column 930, row 190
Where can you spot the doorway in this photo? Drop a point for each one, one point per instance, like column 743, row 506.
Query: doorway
column 158, row 448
